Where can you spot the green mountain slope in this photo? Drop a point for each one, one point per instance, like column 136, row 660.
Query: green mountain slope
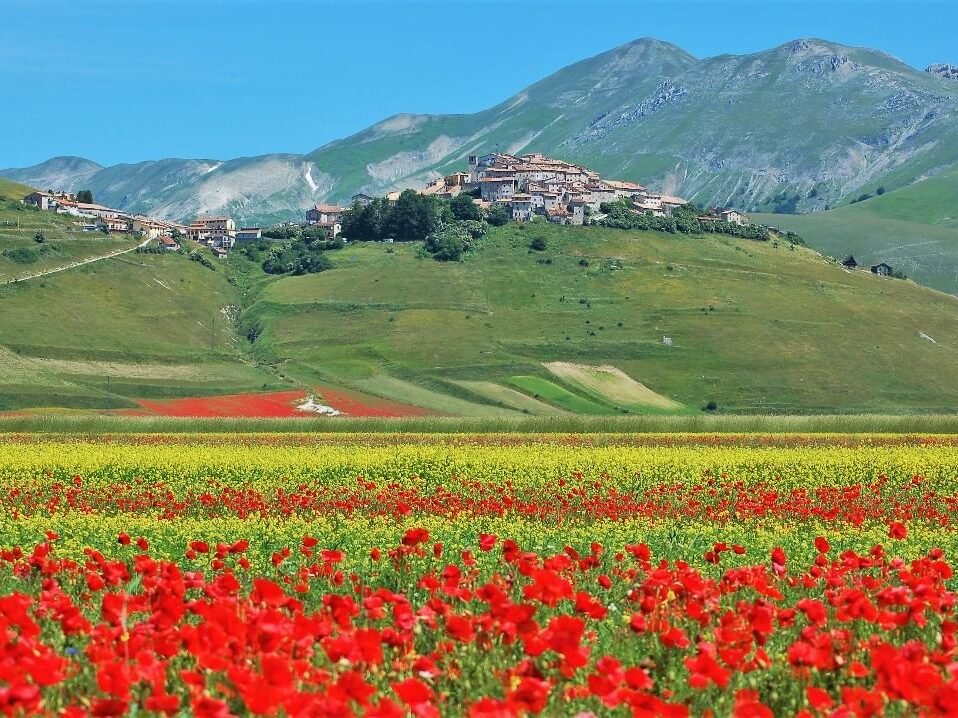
column 800, row 127
column 752, row 326
column 915, row 229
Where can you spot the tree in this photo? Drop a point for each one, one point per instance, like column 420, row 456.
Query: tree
column 415, row 216
column 538, row 244
column 448, row 244
column 365, row 223
column 85, row 195
column 39, row 238
column 310, row 264
column 498, row 216
column 462, row 207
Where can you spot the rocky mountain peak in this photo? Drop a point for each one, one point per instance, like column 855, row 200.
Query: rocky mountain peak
column 949, row 72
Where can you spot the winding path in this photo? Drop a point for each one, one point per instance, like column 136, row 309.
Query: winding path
column 88, row 260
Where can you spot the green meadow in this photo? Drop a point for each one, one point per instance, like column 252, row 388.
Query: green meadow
column 603, row 322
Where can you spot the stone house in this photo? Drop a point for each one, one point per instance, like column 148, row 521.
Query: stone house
column 248, row 234
column 115, row 223
column 363, row 199
column 625, row 189
column 324, row 214
column 213, row 231
column 42, row 200
column 882, row 269
column 521, row 207
column 733, row 216
column 493, row 189
column 558, row 215
column 576, row 211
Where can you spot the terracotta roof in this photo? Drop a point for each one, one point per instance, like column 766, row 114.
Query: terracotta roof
column 669, row 199
column 328, row 208
column 618, row 184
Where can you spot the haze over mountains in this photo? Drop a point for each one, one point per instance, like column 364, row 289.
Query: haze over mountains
column 799, row 128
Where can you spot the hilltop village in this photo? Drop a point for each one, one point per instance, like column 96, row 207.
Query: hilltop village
column 533, row 185
column 519, row 188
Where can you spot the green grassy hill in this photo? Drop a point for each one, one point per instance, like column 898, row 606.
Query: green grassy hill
column 752, row 326
column 602, row 322
column 914, row 229
column 137, row 326
column 64, row 240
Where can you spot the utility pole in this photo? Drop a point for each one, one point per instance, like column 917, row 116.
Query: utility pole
column 213, row 332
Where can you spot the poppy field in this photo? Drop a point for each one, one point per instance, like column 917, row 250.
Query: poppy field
column 481, row 575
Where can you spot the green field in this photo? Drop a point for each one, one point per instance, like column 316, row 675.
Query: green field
column 558, row 396
column 755, row 327
column 136, row 326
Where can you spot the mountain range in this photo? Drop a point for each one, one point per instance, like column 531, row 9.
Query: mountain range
column 799, row 128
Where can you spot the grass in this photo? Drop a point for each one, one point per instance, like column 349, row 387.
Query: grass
column 510, row 398
column 755, row 327
column 410, row 393
column 758, row 328
column 611, row 385
column 556, row 395
column 107, row 333
column 865, row 424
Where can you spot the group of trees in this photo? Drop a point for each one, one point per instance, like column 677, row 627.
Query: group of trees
column 315, row 238
column 449, row 227
column 303, row 255
column 453, row 240
column 620, row 215
column 411, row 217
column 85, row 195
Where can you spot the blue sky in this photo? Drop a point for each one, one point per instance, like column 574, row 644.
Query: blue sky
column 129, row 80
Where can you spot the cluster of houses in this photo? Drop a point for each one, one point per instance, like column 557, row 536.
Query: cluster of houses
column 218, row 233
column 882, row 269
column 97, row 218
column 565, row 193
